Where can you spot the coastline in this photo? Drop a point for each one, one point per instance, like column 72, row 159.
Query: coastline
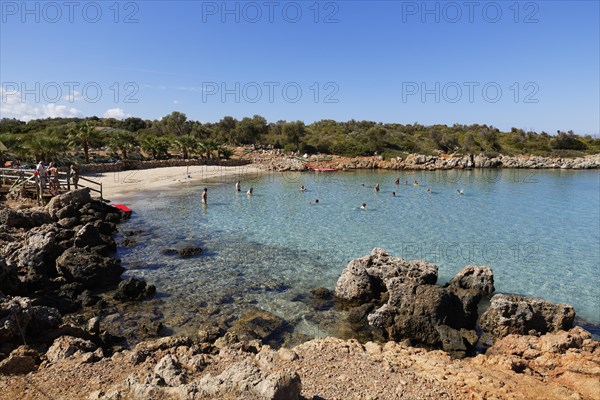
column 79, row 359
column 124, row 183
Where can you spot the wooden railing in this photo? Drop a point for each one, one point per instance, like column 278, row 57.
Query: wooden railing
column 28, row 182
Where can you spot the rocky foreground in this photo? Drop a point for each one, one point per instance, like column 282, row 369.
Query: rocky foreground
column 562, row 365
column 60, row 284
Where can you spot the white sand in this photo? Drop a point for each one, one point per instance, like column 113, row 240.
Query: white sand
column 116, row 184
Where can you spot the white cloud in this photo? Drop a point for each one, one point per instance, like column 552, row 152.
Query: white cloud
column 116, row 113
column 176, row 102
column 12, row 105
column 73, row 97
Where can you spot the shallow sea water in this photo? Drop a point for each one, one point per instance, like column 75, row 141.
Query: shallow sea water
column 538, row 230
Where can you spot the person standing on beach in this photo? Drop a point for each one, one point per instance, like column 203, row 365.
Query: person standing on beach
column 238, row 186
column 204, row 195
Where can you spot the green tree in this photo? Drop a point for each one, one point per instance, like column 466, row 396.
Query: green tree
column 567, row 141
column 84, row 135
column 209, row 147
column 294, row 132
column 227, row 128
column 45, row 147
column 123, row 141
column 174, row 124
column 187, row 144
column 157, row 146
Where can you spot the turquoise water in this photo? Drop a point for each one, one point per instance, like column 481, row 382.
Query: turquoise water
column 538, row 230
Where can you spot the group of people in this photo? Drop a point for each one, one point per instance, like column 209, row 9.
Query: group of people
column 238, row 187
column 49, row 176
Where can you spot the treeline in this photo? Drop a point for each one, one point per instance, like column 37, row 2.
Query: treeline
column 176, row 136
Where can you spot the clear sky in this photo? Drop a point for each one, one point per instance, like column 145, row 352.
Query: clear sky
column 531, row 64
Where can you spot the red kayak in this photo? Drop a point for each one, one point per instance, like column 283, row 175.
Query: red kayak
column 322, row 169
column 123, row 208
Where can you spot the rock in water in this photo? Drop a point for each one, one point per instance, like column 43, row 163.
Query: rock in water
column 415, row 307
column 364, row 278
column 514, row 314
column 133, row 289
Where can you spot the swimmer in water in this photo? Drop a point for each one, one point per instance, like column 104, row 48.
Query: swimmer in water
column 394, row 194
column 204, row 195
column 363, row 206
column 249, row 192
column 377, row 187
column 238, row 186
column 315, row 202
column 302, row 188
column 397, row 181
column 460, row 191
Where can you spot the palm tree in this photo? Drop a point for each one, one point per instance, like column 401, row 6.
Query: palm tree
column 84, row 135
column 187, row 144
column 209, row 146
column 44, row 147
column 123, row 141
column 225, row 152
column 13, row 145
column 158, row 146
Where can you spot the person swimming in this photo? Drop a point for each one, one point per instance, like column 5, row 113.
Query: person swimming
column 302, row 188
column 460, row 191
column 315, row 202
column 406, row 182
column 249, row 192
column 416, row 183
column 204, row 195
column 394, row 194
column 397, row 181
column 428, row 190
column 238, row 186
column 363, row 206
column 377, row 187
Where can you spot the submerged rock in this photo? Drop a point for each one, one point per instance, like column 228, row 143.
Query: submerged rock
column 514, row 314
column 133, row 289
column 189, row 251
column 259, row 325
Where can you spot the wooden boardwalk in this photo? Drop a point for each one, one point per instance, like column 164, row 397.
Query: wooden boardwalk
column 26, row 184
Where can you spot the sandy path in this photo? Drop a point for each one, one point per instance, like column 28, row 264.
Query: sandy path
column 117, row 184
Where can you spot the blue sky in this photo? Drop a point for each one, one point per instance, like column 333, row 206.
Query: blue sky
column 531, row 65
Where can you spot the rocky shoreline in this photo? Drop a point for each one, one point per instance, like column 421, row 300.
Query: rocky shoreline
column 60, row 286
column 430, row 163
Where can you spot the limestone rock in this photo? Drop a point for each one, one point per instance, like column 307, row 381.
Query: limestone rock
column 68, row 347
column 514, row 314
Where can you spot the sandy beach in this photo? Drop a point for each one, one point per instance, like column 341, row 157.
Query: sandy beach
column 117, row 184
